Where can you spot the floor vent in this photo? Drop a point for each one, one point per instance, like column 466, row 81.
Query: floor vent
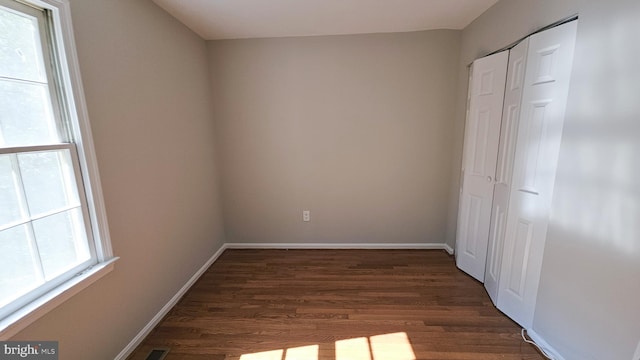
column 157, row 354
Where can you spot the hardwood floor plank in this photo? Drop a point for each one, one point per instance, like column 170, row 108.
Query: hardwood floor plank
column 265, row 302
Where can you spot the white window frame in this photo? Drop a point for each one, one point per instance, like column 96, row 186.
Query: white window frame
column 68, row 77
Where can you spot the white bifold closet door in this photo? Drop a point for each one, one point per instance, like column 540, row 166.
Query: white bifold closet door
column 537, row 146
column 504, row 169
column 482, row 132
column 512, row 141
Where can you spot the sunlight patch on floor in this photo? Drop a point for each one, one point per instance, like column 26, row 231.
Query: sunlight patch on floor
column 394, row 346
column 302, row 353
column 353, row 349
column 264, row 355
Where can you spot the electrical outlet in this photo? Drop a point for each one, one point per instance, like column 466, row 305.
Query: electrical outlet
column 306, row 215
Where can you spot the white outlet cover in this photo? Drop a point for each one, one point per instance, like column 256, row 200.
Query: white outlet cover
column 636, row 356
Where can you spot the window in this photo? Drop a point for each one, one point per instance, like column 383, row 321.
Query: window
column 53, row 233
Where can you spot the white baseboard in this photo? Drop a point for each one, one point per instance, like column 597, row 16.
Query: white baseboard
column 174, row 300
column 167, row 307
column 448, row 248
column 544, row 344
column 416, row 246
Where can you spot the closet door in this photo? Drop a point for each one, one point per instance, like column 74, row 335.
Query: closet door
column 546, row 86
column 504, row 170
column 482, row 132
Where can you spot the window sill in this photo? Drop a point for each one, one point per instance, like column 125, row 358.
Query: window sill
column 22, row 318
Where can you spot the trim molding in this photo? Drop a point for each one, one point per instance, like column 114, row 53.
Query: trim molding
column 167, row 307
column 448, row 248
column 544, row 344
column 33, row 311
column 416, row 246
column 183, row 290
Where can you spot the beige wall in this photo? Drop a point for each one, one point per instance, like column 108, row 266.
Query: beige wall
column 356, row 129
column 146, row 82
column 587, row 304
column 361, row 131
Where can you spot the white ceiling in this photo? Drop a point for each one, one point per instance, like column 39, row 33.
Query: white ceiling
column 237, row 19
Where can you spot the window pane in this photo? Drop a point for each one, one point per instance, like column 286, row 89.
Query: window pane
column 25, row 115
column 18, row 272
column 10, row 204
column 48, row 180
column 20, row 51
column 62, row 242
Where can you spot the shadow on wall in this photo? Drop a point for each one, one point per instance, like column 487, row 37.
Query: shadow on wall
column 597, row 195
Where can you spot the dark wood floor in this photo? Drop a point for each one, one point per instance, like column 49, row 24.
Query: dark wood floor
column 336, row 305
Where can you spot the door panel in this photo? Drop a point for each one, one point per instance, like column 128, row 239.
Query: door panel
column 534, row 137
column 521, row 246
column 480, row 127
column 546, row 87
column 508, row 133
column 496, row 237
column 482, row 132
